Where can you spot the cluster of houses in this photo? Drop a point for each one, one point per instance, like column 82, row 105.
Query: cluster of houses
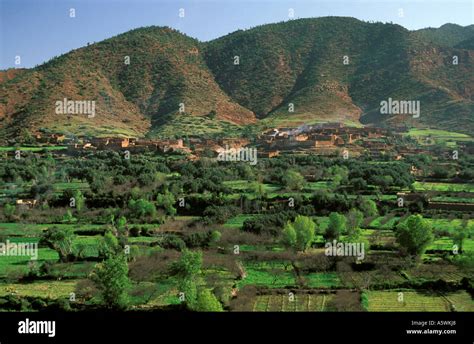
column 324, row 139
column 137, row 145
column 334, row 138
column 192, row 147
column 321, row 139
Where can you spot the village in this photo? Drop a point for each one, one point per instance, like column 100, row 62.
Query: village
column 328, row 139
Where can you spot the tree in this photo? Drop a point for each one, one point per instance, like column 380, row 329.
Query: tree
column 383, row 181
column 293, row 180
column 353, row 220
column 79, row 200
column 188, row 287
column 188, row 270
column 259, row 189
column 289, row 235
column 336, row 227
column 109, row 245
column 121, row 223
column 9, row 211
column 141, row 208
column 59, row 240
column 212, row 114
column 299, row 234
column 189, row 264
column 414, row 235
column 167, row 201
column 207, row 301
column 111, row 279
column 26, row 136
column 215, row 236
column 461, row 233
column 339, row 175
column 68, row 217
column 368, row 207
column 358, row 184
column 42, row 189
column 219, row 214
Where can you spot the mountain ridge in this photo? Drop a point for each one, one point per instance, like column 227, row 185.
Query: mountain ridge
column 287, row 73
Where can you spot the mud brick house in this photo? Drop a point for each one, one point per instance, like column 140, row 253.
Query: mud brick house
column 39, row 138
column 146, row 143
column 353, row 137
column 375, row 134
column 416, row 171
column 270, row 135
column 166, row 146
column 268, row 154
column 300, row 137
column 57, row 138
column 29, row 203
column 323, row 140
column 110, row 142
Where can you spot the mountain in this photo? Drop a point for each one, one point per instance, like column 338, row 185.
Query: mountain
column 301, row 62
column 466, row 44
column 447, row 35
column 335, row 69
column 166, row 73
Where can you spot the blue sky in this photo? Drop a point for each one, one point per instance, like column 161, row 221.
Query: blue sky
column 37, row 30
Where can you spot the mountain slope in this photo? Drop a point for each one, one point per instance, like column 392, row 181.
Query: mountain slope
column 447, row 35
column 165, row 74
column 301, row 64
column 335, row 69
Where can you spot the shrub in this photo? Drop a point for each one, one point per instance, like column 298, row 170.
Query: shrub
column 173, row 242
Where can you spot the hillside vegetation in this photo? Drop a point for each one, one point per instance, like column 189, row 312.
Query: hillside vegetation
column 335, row 69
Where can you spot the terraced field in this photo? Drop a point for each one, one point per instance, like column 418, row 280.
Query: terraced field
column 296, row 303
column 462, row 301
column 45, row 289
column 449, row 273
column 322, row 280
column 237, row 221
column 31, row 149
column 427, row 136
column 455, row 187
column 446, row 224
column 388, row 301
column 272, row 275
column 384, row 222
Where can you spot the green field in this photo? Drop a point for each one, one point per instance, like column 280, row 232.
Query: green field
column 269, row 274
column 32, row 229
column 237, row 221
column 288, row 303
column 384, row 222
column 453, row 199
column 447, row 224
column 388, row 301
column 454, row 187
column 438, row 136
column 322, row 280
column 31, row 149
column 44, row 289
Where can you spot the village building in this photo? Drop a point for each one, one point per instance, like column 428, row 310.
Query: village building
column 29, row 203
